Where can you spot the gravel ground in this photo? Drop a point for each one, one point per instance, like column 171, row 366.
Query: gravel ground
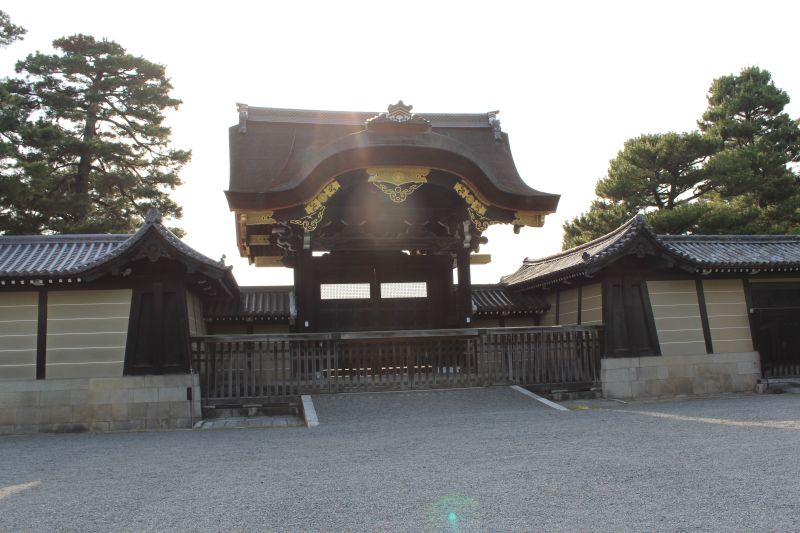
column 465, row 460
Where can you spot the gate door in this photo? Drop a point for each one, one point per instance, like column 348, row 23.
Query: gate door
column 776, row 321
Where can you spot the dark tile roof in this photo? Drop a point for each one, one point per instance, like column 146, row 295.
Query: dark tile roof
column 694, row 252
column 256, row 304
column 490, row 300
column 279, row 157
column 575, row 261
column 356, row 118
column 737, row 251
column 54, row 255
column 82, row 256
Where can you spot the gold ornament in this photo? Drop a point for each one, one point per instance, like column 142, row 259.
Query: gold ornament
column 398, row 175
column 399, row 193
column 528, row 218
column 310, row 222
column 322, row 197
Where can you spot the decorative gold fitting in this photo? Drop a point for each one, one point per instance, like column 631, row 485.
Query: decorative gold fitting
column 398, row 175
column 257, row 217
column 528, row 218
column 322, row 197
column 268, row 261
column 310, row 222
column 470, row 198
column 398, row 182
column 257, row 239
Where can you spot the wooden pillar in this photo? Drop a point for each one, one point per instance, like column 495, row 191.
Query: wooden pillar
column 304, row 289
column 464, row 288
column 41, row 337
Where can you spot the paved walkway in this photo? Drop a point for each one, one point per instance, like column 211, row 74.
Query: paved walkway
column 469, row 460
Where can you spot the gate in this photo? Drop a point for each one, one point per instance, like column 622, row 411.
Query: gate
column 778, row 341
column 253, row 369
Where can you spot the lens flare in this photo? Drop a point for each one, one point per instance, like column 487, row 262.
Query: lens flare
column 453, row 513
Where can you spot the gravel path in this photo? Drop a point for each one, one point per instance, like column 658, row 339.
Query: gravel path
column 465, row 460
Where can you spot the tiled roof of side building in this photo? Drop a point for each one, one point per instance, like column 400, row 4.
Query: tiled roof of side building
column 254, row 303
column 573, row 262
column 81, row 256
column 46, row 255
column 697, row 252
column 737, row 251
column 489, row 300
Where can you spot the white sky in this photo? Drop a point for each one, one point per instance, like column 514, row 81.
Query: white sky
column 573, row 80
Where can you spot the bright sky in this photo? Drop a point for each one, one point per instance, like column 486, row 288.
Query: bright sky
column 573, row 80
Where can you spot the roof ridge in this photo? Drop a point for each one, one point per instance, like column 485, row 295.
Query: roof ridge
column 739, row 238
column 64, row 237
column 636, row 221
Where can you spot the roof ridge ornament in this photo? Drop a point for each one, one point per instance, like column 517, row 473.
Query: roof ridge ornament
column 244, row 111
column 153, row 216
column 400, row 112
column 398, row 119
column 494, row 122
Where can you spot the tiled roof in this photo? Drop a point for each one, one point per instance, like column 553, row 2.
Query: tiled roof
column 37, row 256
column 356, row 118
column 280, row 157
column 737, row 251
column 698, row 252
column 497, row 300
column 48, row 255
column 254, row 303
column 574, row 262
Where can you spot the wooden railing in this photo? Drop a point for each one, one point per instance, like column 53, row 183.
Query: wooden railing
column 242, row 369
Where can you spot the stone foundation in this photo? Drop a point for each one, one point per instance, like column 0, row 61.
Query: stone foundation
column 99, row 404
column 679, row 375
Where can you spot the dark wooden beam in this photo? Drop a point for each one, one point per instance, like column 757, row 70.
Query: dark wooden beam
column 701, row 300
column 41, row 337
column 464, row 287
column 558, row 306
column 304, row 286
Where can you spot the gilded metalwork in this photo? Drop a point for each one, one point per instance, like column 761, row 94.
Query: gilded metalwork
column 475, row 208
column 528, row 218
column 398, row 193
column 321, row 198
column 398, row 175
column 257, row 240
column 311, row 221
column 258, row 217
column 480, row 222
column 480, row 259
column 268, row 261
column 472, row 200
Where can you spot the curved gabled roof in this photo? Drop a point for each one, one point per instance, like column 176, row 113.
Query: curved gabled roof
column 694, row 252
column 281, row 157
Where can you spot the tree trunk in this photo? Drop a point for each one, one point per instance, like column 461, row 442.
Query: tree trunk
column 89, row 133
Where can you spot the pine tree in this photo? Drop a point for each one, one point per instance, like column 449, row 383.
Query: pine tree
column 734, row 177
column 92, row 154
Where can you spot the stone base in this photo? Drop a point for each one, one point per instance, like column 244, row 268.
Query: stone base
column 99, row 404
column 679, row 375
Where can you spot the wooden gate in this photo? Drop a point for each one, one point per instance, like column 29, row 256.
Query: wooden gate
column 253, row 369
column 778, row 341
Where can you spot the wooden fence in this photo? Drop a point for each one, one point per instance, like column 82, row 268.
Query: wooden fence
column 250, row 369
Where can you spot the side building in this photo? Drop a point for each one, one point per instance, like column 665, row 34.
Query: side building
column 683, row 314
column 95, row 329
